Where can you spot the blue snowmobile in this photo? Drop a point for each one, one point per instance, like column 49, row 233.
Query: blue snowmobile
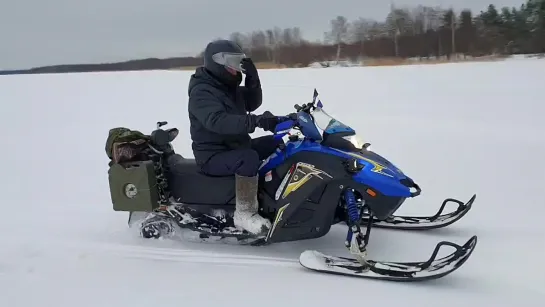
column 322, row 174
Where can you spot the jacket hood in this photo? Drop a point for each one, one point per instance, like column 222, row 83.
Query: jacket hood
column 201, row 76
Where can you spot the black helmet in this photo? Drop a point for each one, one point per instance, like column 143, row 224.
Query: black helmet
column 221, row 55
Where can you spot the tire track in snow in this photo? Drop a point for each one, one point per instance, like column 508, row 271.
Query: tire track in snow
column 196, row 256
column 219, row 257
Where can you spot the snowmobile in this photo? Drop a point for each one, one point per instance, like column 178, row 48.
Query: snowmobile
column 320, row 175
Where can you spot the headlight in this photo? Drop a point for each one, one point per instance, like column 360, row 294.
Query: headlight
column 355, row 140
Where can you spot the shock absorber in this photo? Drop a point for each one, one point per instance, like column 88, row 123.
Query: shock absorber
column 351, row 207
column 356, row 242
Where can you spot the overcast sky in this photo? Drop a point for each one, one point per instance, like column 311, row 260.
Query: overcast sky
column 45, row 32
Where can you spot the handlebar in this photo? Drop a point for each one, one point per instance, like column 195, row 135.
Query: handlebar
column 307, row 107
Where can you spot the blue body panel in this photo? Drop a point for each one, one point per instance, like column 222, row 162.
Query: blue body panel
column 384, row 178
column 308, row 128
column 377, row 172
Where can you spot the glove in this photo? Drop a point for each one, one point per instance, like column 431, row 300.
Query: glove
column 267, row 121
column 252, row 77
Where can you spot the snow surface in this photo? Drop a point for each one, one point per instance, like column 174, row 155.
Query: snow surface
column 456, row 129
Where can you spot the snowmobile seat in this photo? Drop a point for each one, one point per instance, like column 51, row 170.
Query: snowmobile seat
column 190, row 186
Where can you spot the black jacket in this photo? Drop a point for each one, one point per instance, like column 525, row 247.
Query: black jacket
column 219, row 116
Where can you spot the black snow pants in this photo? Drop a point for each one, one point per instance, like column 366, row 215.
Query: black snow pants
column 243, row 162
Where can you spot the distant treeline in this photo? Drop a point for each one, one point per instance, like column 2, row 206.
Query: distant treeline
column 422, row 32
column 143, row 64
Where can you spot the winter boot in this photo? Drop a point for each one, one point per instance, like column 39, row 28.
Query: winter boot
column 246, row 215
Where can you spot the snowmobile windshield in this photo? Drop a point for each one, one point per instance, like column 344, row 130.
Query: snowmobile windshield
column 330, row 125
column 327, row 123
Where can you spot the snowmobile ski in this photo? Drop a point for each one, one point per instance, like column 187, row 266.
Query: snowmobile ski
column 438, row 220
column 391, row 271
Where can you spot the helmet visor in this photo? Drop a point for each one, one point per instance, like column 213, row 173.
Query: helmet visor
column 231, row 60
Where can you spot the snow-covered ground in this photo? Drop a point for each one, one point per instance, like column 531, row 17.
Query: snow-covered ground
column 456, row 129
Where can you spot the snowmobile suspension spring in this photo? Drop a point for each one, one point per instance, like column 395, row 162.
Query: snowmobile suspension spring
column 351, row 206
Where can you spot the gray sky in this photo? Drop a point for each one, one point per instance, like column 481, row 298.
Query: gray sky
column 45, row 32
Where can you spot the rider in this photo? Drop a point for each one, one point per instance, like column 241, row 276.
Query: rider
column 219, row 114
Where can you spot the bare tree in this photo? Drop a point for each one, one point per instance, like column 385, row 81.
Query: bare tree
column 278, row 33
column 378, row 30
column 287, row 37
column 429, row 16
column 338, row 33
column 399, row 22
column 272, row 45
column 360, row 31
column 449, row 22
column 419, row 20
column 296, row 36
column 277, row 37
column 258, row 40
column 432, row 23
column 240, row 39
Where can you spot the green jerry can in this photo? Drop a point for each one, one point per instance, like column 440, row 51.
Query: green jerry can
column 133, row 186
